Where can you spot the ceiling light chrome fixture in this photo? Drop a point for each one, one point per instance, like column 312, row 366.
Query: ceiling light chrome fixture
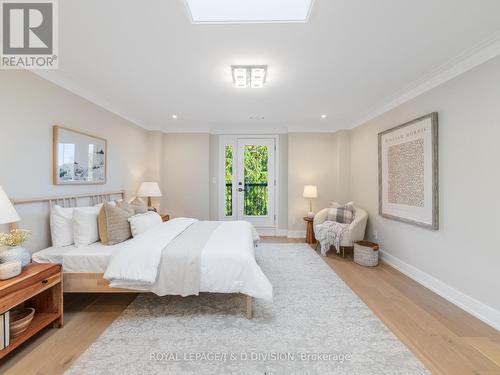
column 253, row 76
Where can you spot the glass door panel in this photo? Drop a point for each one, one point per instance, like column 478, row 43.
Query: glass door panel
column 228, row 179
column 256, row 177
column 256, row 181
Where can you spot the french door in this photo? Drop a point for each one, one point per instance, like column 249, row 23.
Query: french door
column 249, row 180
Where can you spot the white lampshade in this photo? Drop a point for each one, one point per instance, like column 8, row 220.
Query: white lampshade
column 149, row 189
column 8, row 213
column 310, row 191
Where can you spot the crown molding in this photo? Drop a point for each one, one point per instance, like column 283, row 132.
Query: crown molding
column 469, row 59
column 250, row 130
column 462, row 63
column 74, row 88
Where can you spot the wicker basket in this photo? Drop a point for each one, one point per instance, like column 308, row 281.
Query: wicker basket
column 366, row 253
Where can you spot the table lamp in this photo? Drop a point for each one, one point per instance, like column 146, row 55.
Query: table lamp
column 149, row 190
column 8, row 215
column 311, row 192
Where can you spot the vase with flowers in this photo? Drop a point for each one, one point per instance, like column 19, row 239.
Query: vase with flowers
column 11, row 248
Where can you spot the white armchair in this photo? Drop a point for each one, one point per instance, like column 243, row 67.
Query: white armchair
column 356, row 228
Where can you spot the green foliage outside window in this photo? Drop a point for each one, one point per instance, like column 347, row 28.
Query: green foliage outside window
column 229, row 180
column 256, row 180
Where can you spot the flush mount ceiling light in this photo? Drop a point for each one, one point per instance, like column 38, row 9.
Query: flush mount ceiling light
column 249, row 11
column 323, row 116
column 174, row 116
column 253, row 76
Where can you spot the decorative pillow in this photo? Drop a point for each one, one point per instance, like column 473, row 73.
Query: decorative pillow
column 85, row 229
column 61, row 226
column 143, row 222
column 113, row 224
column 342, row 214
column 137, row 205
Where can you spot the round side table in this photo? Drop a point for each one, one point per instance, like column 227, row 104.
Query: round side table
column 310, row 239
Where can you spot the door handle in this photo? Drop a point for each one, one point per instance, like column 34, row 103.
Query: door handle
column 241, row 189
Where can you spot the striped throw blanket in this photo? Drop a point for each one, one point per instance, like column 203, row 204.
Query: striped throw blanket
column 330, row 233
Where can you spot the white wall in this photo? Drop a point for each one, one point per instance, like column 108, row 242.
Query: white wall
column 185, row 175
column 464, row 253
column 29, row 107
column 311, row 161
column 343, row 160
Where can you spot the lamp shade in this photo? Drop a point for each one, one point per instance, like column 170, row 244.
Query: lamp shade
column 310, row 191
column 8, row 213
column 149, row 189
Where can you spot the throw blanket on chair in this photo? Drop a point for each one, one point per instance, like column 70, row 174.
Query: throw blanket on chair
column 330, row 233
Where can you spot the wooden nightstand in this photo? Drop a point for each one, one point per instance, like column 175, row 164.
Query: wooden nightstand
column 165, row 217
column 310, row 239
column 38, row 286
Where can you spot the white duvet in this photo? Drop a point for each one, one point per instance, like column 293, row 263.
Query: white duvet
column 227, row 260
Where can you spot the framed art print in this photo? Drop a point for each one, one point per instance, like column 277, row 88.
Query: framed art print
column 408, row 172
column 79, row 158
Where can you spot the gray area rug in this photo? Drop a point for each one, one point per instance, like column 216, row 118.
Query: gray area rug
column 315, row 325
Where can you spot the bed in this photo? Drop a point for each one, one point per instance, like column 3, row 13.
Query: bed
column 227, row 260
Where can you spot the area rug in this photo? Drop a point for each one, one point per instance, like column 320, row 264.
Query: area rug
column 315, row 325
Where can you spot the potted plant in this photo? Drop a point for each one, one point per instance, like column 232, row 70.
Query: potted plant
column 12, row 249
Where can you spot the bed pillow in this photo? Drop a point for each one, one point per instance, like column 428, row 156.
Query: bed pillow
column 137, row 205
column 61, row 226
column 113, row 224
column 143, row 222
column 342, row 214
column 85, row 228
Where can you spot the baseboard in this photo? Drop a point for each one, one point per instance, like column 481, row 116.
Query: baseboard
column 474, row 307
column 296, row 234
column 271, row 232
column 281, row 232
column 266, row 231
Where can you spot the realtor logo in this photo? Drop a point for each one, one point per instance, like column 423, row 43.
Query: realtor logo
column 29, row 34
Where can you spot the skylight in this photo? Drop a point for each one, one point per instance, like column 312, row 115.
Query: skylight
column 249, row 11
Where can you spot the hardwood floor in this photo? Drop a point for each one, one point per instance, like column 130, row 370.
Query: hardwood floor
column 446, row 339
column 53, row 351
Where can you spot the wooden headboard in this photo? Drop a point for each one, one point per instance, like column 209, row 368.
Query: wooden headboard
column 87, row 199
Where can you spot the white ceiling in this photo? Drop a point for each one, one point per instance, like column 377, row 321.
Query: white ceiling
column 145, row 61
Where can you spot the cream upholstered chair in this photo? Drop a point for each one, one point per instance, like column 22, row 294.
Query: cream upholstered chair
column 356, row 228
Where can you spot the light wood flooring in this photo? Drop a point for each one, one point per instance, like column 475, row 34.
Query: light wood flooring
column 445, row 338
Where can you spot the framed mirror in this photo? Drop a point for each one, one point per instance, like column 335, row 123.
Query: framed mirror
column 79, row 158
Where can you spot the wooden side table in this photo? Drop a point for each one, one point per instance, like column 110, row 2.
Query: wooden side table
column 165, row 217
column 38, row 286
column 310, row 239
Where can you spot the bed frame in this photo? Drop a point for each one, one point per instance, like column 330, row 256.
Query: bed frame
column 76, row 282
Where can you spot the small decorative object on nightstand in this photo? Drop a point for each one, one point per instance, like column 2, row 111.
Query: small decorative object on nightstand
column 310, row 239
column 13, row 250
column 311, row 192
column 38, row 290
column 149, row 190
column 165, row 217
column 12, row 259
